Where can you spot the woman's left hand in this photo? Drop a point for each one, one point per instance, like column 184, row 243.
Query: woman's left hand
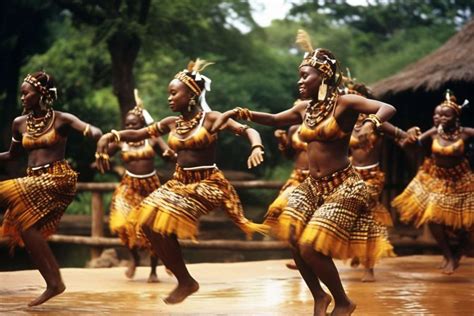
column 255, row 158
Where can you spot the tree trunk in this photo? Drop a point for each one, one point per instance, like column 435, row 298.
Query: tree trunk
column 124, row 49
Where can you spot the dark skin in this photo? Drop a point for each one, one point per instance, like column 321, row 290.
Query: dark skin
column 325, row 158
column 36, row 245
column 142, row 167
column 167, row 246
column 300, row 157
column 447, row 118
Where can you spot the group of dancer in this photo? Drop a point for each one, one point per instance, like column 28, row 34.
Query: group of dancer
column 329, row 208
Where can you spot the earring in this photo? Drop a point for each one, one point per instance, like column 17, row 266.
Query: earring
column 323, row 90
column 192, row 103
column 43, row 104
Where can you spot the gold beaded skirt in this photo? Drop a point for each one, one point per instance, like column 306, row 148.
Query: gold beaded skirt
column 374, row 179
column 274, row 210
column 39, row 199
column 175, row 207
column 130, row 193
column 331, row 214
column 440, row 195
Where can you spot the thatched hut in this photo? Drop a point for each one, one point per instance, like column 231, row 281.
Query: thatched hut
column 417, row 89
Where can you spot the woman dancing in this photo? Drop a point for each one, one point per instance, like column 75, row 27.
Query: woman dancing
column 326, row 216
column 34, row 204
column 139, row 180
column 444, row 196
column 197, row 186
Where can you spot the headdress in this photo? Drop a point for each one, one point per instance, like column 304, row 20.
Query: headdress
column 193, row 70
column 48, row 95
column 139, row 111
column 315, row 58
column 353, row 87
column 450, row 102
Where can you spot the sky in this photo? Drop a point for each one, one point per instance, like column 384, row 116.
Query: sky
column 264, row 11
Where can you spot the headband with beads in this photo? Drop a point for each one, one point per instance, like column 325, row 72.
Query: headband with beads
column 194, row 68
column 452, row 104
column 322, row 63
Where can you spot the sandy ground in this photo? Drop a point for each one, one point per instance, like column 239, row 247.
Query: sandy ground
column 409, row 285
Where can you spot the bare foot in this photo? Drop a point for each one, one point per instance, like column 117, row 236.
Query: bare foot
column 451, row 265
column 153, row 278
column 291, row 265
column 47, row 294
column 368, row 276
column 181, row 292
column 130, row 273
column 355, row 262
column 443, row 263
column 321, row 305
column 345, row 310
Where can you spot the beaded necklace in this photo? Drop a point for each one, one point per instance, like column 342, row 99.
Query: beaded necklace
column 38, row 126
column 183, row 126
column 455, row 135
column 317, row 112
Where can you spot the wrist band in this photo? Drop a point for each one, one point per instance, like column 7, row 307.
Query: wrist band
column 258, row 146
column 116, row 135
column 243, row 114
column 86, row 130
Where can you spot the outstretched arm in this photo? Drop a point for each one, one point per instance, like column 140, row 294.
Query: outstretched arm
column 469, row 132
column 15, row 148
column 289, row 117
column 160, row 146
column 256, row 154
column 85, row 128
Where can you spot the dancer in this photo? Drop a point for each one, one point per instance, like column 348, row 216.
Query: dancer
column 139, row 180
column 198, row 186
column 326, row 216
column 289, row 144
column 34, row 204
column 444, row 198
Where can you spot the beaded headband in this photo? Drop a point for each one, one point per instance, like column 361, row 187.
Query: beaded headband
column 450, row 103
column 188, row 81
column 35, row 83
column 139, row 111
column 322, row 63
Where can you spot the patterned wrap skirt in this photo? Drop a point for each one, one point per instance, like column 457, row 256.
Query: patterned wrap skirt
column 331, row 215
column 39, row 199
column 440, row 195
column 130, row 193
column 274, row 210
column 175, row 207
column 374, row 179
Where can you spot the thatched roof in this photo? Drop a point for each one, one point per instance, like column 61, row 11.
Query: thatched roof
column 451, row 63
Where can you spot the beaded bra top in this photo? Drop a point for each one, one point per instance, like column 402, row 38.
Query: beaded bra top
column 455, row 149
column 200, row 138
column 327, row 130
column 133, row 153
column 296, row 143
column 48, row 138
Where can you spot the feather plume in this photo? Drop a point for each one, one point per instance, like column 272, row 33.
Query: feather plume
column 138, row 100
column 200, row 65
column 304, row 41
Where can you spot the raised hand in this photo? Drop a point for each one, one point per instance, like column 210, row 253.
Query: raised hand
column 256, row 156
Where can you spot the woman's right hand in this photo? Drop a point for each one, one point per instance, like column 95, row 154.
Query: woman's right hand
column 101, row 154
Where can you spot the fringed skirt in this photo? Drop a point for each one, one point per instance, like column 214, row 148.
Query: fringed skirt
column 174, row 208
column 374, row 179
column 275, row 209
column 130, row 193
column 331, row 215
column 440, row 195
column 39, row 199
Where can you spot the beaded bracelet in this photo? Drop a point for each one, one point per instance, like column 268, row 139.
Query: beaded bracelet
column 258, row 146
column 116, row 136
column 374, row 119
column 243, row 114
column 86, row 130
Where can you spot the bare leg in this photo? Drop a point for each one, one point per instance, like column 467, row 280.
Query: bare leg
column 325, row 270
column 153, row 278
column 369, row 275
column 130, row 273
column 44, row 260
column 321, row 298
column 437, row 230
column 174, row 261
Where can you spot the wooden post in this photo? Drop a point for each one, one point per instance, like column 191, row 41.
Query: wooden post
column 97, row 227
